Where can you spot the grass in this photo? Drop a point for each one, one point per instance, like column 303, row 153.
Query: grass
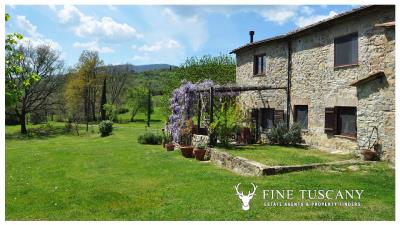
column 67, row 177
column 282, row 156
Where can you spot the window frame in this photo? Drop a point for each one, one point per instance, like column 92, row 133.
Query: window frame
column 266, row 112
column 255, row 64
column 335, row 65
column 338, row 128
column 295, row 119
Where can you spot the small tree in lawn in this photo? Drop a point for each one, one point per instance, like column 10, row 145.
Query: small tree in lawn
column 137, row 101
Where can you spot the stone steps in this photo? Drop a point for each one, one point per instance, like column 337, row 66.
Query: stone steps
column 248, row 167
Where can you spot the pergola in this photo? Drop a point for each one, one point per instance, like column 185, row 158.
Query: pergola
column 220, row 89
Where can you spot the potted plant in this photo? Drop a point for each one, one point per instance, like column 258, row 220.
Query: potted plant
column 200, row 151
column 186, row 139
column 167, row 141
column 369, row 155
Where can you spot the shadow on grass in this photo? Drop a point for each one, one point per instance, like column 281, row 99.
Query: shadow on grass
column 42, row 132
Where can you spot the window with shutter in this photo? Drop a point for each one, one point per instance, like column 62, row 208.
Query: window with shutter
column 301, row 116
column 347, row 121
column 346, row 50
column 267, row 118
column 259, row 64
column 279, row 116
column 330, row 120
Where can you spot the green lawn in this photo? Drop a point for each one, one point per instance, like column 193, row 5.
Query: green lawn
column 66, row 177
column 280, row 156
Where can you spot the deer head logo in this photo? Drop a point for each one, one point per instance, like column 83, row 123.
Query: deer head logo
column 245, row 198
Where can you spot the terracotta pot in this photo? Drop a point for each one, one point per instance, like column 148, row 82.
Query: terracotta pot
column 370, row 155
column 169, row 146
column 199, row 154
column 187, row 151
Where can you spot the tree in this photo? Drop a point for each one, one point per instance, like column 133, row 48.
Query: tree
column 16, row 79
column 117, row 77
column 44, row 62
column 83, row 85
column 137, row 101
column 103, row 101
column 220, row 69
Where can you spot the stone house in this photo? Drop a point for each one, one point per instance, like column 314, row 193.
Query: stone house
column 339, row 75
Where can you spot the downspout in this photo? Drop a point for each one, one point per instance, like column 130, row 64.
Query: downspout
column 289, row 68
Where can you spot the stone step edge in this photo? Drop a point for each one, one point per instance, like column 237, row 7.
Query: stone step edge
column 264, row 170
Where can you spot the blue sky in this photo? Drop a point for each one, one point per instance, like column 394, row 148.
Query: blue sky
column 156, row 34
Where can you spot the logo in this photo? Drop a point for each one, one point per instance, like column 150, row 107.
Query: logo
column 245, row 198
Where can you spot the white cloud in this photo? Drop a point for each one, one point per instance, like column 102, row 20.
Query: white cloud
column 93, row 46
column 104, row 28
column 279, row 15
column 26, row 26
column 69, row 13
column 307, row 10
column 32, row 36
column 159, row 45
column 191, row 28
column 34, row 42
column 303, row 21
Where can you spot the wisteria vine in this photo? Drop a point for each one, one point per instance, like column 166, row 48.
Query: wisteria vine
column 183, row 104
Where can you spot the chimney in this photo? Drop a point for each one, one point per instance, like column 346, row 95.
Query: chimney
column 251, row 33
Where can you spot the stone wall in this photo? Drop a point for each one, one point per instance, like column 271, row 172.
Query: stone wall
column 276, row 70
column 376, row 105
column 317, row 83
column 200, row 140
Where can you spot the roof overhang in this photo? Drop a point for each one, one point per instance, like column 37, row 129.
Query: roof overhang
column 370, row 77
column 315, row 26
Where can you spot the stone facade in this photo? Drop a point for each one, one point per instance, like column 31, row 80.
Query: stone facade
column 315, row 81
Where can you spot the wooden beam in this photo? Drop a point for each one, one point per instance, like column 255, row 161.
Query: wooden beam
column 211, row 113
column 198, row 114
column 241, row 89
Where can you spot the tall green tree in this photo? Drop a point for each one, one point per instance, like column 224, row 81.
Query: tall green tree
column 16, row 79
column 37, row 97
column 83, row 84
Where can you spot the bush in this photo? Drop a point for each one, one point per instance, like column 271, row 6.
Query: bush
column 282, row 136
column 105, row 127
column 150, row 138
column 224, row 126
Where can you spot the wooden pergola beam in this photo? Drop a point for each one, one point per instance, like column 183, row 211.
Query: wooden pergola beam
column 241, row 89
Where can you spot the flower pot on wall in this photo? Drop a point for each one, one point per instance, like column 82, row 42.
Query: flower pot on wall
column 187, row 151
column 199, row 154
column 169, row 146
column 369, row 155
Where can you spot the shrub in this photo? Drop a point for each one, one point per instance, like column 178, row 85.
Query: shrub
column 150, row 138
column 282, row 136
column 105, row 127
column 224, row 126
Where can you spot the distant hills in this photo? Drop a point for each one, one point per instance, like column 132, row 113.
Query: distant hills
column 142, row 68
